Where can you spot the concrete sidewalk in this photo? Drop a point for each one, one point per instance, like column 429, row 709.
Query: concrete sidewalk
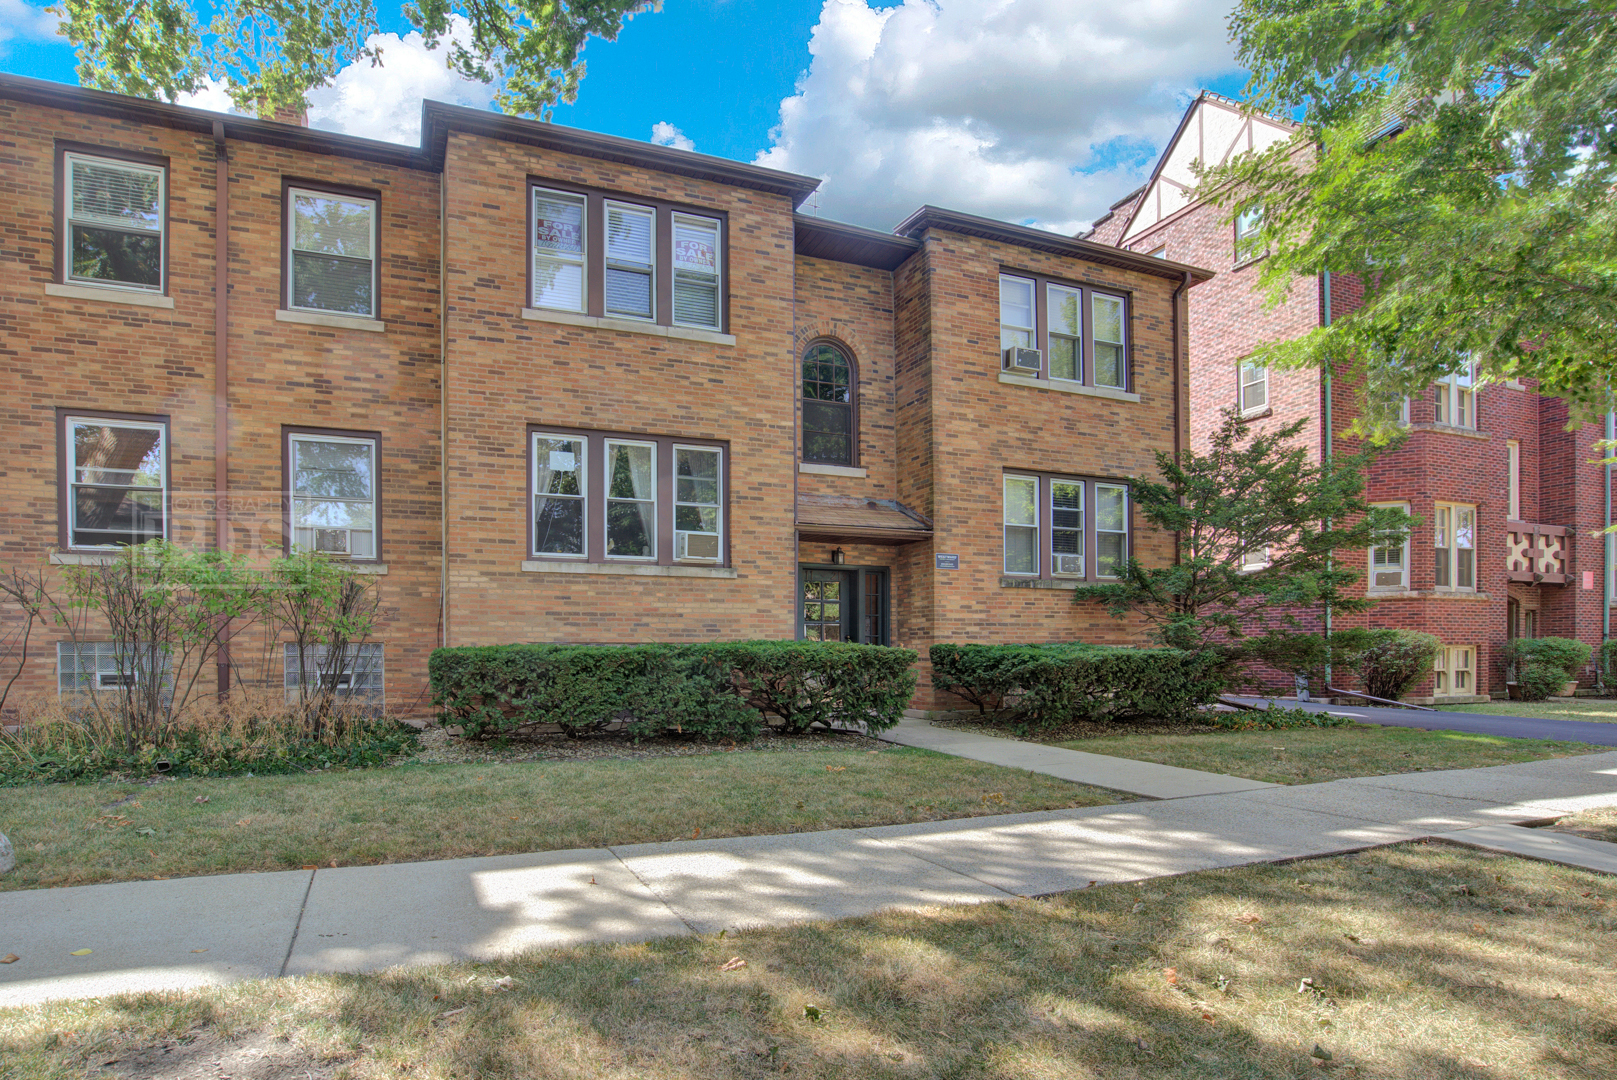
column 200, row 931
column 1119, row 774
column 1510, row 727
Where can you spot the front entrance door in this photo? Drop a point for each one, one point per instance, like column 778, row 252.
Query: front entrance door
column 844, row 605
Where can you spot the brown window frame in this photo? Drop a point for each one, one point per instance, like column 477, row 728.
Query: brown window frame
column 289, row 430
column 60, row 264
column 662, row 299
column 853, row 402
column 325, row 187
column 1086, row 333
column 64, row 479
column 1045, row 528
column 595, row 441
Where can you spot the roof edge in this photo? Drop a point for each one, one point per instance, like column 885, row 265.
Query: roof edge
column 881, row 250
column 936, row 217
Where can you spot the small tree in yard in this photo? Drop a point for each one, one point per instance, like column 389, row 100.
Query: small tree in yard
column 1259, row 526
column 328, row 611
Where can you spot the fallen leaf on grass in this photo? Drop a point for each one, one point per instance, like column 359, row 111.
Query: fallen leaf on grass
column 1249, row 918
column 245, row 821
column 80, row 952
column 696, row 832
column 199, row 950
column 505, row 982
column 1209, row 1017
column 995, row 797
column 812, row 1012
column 145, row 832
column 1319, row 1053
column 1137, row 908
column 836, row 768
column 9, row 958
column 592, row 880
column 453, row 1012
column 200, row 799
column 732, row 964
column 1171, row 975
column 1305, row 986
column 310, row 866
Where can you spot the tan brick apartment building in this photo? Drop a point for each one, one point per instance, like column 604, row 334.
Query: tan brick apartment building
column 549, row 385
column 1510, row 501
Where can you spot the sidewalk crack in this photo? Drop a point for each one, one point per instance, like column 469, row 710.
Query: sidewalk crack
column 298, row 925
column 661, row 899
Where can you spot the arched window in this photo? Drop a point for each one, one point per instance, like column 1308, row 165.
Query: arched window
column 828, row 389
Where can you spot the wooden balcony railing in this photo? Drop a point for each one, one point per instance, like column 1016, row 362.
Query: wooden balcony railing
column 1536, row 553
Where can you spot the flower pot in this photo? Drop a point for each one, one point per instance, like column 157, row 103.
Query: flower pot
column 1513, row 691
column 1568, row 690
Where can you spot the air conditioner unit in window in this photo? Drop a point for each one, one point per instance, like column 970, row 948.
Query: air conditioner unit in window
column 1023, row 360
column 331, row 541
column 696, row 546
column 1389, row 579
column 108, row 680
column 1069, row 565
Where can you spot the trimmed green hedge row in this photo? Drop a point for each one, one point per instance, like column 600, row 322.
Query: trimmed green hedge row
column 1042, row 685
column 714, row 690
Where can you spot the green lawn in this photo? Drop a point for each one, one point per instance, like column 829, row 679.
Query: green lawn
column 1600, row 710
column 1415, row 962
column 1598, row 824
column 1312, row 755
column 72, row 834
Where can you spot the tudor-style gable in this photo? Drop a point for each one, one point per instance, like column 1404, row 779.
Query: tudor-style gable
column 1214, row 130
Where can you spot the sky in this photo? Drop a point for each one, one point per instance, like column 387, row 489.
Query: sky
column 1041, row 112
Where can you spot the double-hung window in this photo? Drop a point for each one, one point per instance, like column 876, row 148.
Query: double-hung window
column 1454, row 671
column 631, row 254
column 331, row 252
column 1248, row 224
column 558, row 250
column 1389, row 563
column 115, row 214
column 116, row 472
column 1457, row 399
column 603, row 497
column 1080, row 333
column 333, row 493
column 1513, row 479
column 596, row 254
column 1254, row 388
column 1454, row 536
column 1064, row 527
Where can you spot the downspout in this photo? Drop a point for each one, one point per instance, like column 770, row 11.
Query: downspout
column 1608, row 584
column 1178, row 359
column 221, row 374
column 1325, row 288
column 443, row 412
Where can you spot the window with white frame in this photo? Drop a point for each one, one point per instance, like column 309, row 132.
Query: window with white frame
column 1064, row 527
column 333, row 493
column 1457, row 399
column 559, row 280
column 631, row 252
column 1454, row 671
column 1050, row 316
column 603, row 497
column 331, row 252
column 357, row 674
column 1389, row 563
column 1015, row 312
column 1254, row 380
column 1255, row 558
column 88, row 666
column 117, row 481
column 1248, row 224
column 1513, row 478
column 697, row 268
column 115, row 214
column 1063, row 307
column 1454, row 536
column 1107, row 330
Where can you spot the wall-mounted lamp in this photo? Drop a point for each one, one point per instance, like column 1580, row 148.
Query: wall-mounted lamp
column 838, row 557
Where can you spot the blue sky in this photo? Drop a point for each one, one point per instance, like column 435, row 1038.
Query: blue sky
column 1019, row 109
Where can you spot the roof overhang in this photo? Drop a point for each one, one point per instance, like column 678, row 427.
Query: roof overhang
column 838, row 241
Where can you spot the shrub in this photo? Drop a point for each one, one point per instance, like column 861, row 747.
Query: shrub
column 1537, row 680
column 1043, row 685
column 715, row 690
column 1393, row 659
column 1273, row 718
column 1566, row 655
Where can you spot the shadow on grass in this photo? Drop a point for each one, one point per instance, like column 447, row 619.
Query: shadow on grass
column 1411, row 962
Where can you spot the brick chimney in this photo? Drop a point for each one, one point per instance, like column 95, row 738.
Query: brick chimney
column 286, row 114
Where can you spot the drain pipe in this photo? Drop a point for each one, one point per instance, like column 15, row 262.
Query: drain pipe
column 221, row 375
column 1607, row 582
column 1180, row 326
column 1325, row 288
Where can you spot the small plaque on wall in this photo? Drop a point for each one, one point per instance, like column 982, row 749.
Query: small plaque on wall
column 948, row 562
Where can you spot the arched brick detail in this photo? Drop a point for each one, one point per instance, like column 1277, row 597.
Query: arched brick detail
column 845, row 333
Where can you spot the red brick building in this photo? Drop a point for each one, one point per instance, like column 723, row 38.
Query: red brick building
column 1511, row 502
column 550, row 385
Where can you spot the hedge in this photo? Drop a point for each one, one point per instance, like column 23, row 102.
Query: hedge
column 1042, row 685
column 712, row 690
column 1544, row 665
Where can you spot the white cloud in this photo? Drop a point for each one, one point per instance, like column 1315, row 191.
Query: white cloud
column 212, row 97
column 385, row 102
column 22, row 20
column 1038, row 111
column 665, row 134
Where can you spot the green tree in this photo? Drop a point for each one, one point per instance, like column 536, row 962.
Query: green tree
column 271, row 53
column 1459, row 158
column 1259, row 524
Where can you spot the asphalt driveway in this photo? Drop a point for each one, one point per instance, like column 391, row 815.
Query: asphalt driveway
column 1512, row 727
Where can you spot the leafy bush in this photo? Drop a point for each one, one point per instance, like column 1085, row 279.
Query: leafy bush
column 1272, row 719
column 248, row 733
column 1566, row 655
column 1392, row 660
column 1043, row 685
column 1537, row 680
column 715, row 690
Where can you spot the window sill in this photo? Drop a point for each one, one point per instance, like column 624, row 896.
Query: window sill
column 629, row 326
column 1427, row 594
column 1450, row 429
column 1009, row 582
column 85, row 558
column 365, row 567
column 131, row 297
column 339, row 322
column 547, row 566
column 1256, row 414
column 816, row 469
column 1067, row 388
column 1448, row 699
